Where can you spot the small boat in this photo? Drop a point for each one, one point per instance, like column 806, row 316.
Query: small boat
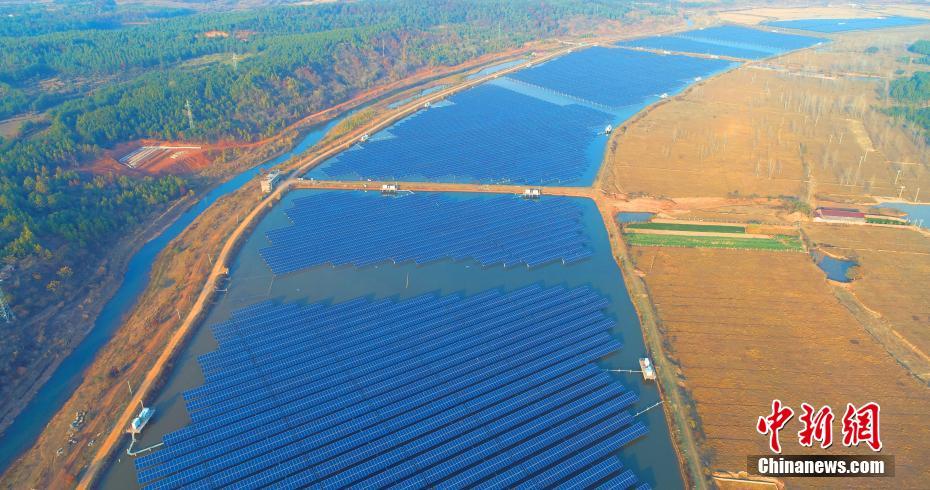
column 608, row 129
column 138, row 423
column 364, row 137
column 649, row 372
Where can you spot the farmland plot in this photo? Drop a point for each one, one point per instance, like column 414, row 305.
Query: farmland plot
column 746, row 327
column 892, row 274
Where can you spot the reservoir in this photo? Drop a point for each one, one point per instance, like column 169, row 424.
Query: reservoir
column 651, row 457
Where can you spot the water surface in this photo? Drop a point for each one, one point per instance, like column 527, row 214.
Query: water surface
column 651, row 457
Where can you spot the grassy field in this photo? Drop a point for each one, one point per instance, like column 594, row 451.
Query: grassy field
column 893, row 273
column 746, row 327
column 782, row 243
column 687, row 227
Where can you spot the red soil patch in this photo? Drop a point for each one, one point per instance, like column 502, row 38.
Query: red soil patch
column 179, row 161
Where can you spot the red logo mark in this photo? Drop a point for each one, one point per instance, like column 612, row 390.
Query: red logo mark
column 861, row 425
column 773, row 423
column 817, row 427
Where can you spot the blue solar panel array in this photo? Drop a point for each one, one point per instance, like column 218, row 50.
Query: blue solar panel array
column 733, row 41
column 843, row 25
column 486, row 134
column 493, row 390
column 682, row 45
column 359, row 229
column 617, row 78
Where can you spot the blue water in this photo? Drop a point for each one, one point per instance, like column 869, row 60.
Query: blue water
column 843, row 25
column 836, row 269
column 918, row 214
column 634, row 217
column 651, row 458
column 494, row 69
column 755, row 39
column 541, row 126
column 422, row 93
column 27, row 426
column 617, row 77
column 433, row 375
column 469, row 138
column 673, row 43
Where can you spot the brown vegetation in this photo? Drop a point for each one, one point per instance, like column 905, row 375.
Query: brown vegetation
column 746, row 327
column 796, row 126
column 891, row 277
column 764, row 131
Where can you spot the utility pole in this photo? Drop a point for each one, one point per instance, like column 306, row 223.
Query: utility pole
column 896, row 177
column 900, row 191
column 6, row 314
column 190, row 114
column 917, row 195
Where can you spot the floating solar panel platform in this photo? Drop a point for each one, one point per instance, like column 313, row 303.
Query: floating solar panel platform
column 844, row 25
column 616, row 78
column 497, row 389
column 733, row 41
column 487, row 134
column 360, row 229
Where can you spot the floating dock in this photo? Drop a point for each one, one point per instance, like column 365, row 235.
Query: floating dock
column 649, row 372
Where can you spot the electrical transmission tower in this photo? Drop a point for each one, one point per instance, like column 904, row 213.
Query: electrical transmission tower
column 6, row 314
column 190, row 115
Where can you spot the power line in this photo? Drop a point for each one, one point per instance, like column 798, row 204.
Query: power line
column 190, row 114
column 5, row 312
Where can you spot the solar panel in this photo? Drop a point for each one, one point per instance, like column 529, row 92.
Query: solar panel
column 733, row 41
column 358, row 229
column 503, row 377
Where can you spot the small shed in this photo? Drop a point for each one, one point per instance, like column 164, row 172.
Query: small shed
column 839, row 215
column 269, row 180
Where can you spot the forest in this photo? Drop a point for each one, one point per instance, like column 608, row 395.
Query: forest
column 912, row 93
column 99, row 74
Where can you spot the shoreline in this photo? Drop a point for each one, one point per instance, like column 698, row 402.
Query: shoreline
column 99, row 297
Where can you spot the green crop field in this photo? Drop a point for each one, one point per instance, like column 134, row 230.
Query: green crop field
column 688, row 227
column 778, row 243
column 883, row 221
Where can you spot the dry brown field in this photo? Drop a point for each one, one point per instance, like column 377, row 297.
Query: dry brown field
column 766, row 131
column 745, row 327
column 892, row 276
column 762, row 14
column 846, row 52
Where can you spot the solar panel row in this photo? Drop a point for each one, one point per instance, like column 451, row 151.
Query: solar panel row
column 495, row 389
column 617, row 77
column 546, row 143
column 733, row 41
column 844, row 25
column 360, row 229
column 549, row 140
